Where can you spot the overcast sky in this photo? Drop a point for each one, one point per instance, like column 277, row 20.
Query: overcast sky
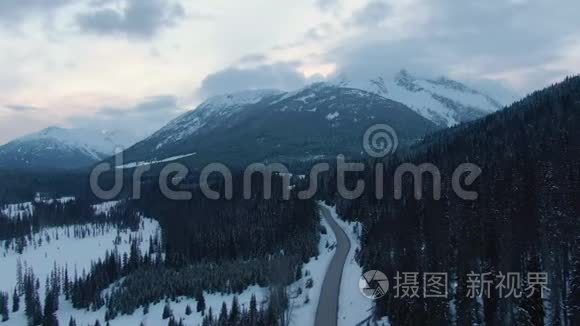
column 138, row 63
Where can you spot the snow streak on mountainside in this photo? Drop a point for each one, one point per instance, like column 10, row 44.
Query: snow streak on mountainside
column 444, row 101
column 62, row 148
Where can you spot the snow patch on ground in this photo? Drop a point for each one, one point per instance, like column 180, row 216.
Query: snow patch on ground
column 21, row 210
column 105, row 207
column 62, row 200
column 142, row 163
column 332, row 116
column 18, row 210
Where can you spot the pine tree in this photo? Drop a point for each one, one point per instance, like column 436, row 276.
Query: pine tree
column 33, row 309
column 223, row 317
column 72, row 322
column 235, row 311
column 574, row 292
column 50, row 320
column 200, row 302
column 299, row 272
column 210, row 315
column 253, row 314
column 50, row 309
column 66, row 285
column 188, row 310
column 4, row 312
column 19, row 277
column 15, row 301
column 167, row 311
column 37, row 317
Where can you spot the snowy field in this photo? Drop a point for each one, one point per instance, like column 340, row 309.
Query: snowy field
column 78, row 253
column 20, row 210
column 65, row 250
column 59, row 247
column 154, row 316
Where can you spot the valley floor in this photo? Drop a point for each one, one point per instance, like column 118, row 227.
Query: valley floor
column 63, row 247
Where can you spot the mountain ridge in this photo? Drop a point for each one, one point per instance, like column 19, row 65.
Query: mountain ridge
column 62, row 148
column 315, row 121
column 442, row 100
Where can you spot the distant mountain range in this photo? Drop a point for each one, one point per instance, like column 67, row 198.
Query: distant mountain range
column 61, row 148
column 314, row 122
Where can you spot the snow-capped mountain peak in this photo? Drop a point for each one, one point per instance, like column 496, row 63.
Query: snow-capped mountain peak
column 97, row 143
column 442, row 100
column 238, row 98
column 56, row 147
column 215, row 108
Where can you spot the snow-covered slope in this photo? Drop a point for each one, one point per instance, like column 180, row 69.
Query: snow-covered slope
column 208, row 112
column 61, row 247
column 444, row 101
column 56, row 147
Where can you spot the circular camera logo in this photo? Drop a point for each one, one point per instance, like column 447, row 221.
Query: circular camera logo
column 380, row 140
column 373, row 284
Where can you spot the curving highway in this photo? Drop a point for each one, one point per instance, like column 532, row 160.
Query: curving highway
column 327, row 311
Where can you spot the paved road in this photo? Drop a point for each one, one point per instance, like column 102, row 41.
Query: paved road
column 327, row 311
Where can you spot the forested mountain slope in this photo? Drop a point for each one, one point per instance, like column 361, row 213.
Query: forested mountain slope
column 526, row 217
